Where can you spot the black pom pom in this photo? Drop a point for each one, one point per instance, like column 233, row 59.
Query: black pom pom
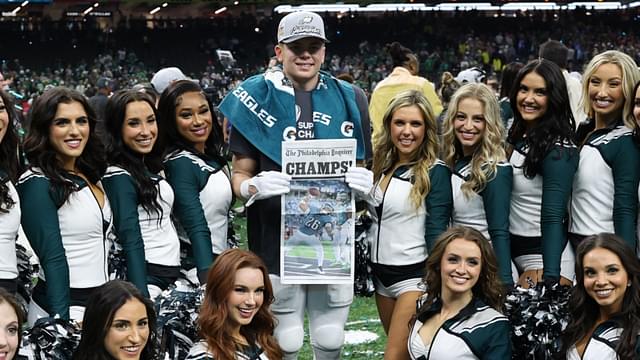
column 538, row 316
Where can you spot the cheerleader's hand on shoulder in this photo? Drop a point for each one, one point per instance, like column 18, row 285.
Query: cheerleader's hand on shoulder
column 360, row 180
column 264, row 185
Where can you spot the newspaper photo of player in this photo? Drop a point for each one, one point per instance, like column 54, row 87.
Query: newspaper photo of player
column 318, row 232
column 316, row 246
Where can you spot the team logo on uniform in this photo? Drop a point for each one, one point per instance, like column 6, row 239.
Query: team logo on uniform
column 289, row 133
column 347, row 129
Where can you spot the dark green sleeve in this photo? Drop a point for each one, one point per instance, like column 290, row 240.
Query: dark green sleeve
column 498, row 345
column 626, row 173
column 496, row 198
column 181, row 174
column 123, row 198
column 558, row 169
column 438, row 203
column 41, row 226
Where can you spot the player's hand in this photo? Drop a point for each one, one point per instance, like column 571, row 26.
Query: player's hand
column 265, row 185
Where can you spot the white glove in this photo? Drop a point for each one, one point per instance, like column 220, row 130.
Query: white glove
column 360, row 180
column 265, row 185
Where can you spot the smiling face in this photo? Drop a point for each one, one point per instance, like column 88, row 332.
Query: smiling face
column 69, row 133
column 139, row 129
column 301, row 61
column 129, row 331
column 460, row 267
column 605, row 279
column 407, row 129
column 246, row 298
column 194, row 119
column 9, row 330
column 532, row 100
column 4, row 119
column 469, row 124
column 605, row 93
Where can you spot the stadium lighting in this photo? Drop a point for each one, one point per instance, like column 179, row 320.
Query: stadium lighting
column 529, row 6
column 24, row 3
column 88, row 10
column 455, row 6
column 596, row 5
column 634, row 4
column 221, row 10
column 158, row 8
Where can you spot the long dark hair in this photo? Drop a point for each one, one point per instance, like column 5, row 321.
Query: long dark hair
column 170, row 137
column 584, row 310
column 8, row 154
column 120, row 154
column 102, row 305
column 214, row 315
column 555, row 126
column 41, row 154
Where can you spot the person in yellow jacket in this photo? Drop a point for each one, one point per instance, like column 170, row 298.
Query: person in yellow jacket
column 403, row 77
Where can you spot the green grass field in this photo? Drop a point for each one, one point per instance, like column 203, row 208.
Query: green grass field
column 363, row 319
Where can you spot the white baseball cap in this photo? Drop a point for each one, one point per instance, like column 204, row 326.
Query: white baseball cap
column 165, row 76
column 300, row 24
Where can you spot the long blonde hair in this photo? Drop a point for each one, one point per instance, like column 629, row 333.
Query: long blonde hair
column 490, row 150
column 386, row 156
column 630, row 76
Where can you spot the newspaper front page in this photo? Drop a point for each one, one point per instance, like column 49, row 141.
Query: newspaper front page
column 317, row 223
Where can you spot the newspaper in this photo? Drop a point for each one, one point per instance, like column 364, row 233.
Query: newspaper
column 317, row 226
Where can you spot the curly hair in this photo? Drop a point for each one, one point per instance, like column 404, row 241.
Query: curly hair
column 448, row 87
column 386, row 155
column 630, row 76
column 120, row 154
column 584, row 310
column 40, row 152
column 102, row 305
column 490, row 151
column 488, row 288
column 8, row 152
column 214, row 323
column 555, row 126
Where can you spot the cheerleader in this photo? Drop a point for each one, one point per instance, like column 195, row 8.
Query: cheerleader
column 119, row 324
column 235, row 318
column 544, row 160
column 65, row 213
column 459, row 317
column 605, row 189
column 9, row 200
column 197, row 173
column 140, row 198
column 415, row 201
column 605, row 302
column 482, row 177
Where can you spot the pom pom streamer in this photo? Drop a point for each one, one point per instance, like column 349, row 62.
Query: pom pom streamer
column 27, row 274
column 50, row 339
column 538, row 316
column 178, row 309
column 363, row 278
